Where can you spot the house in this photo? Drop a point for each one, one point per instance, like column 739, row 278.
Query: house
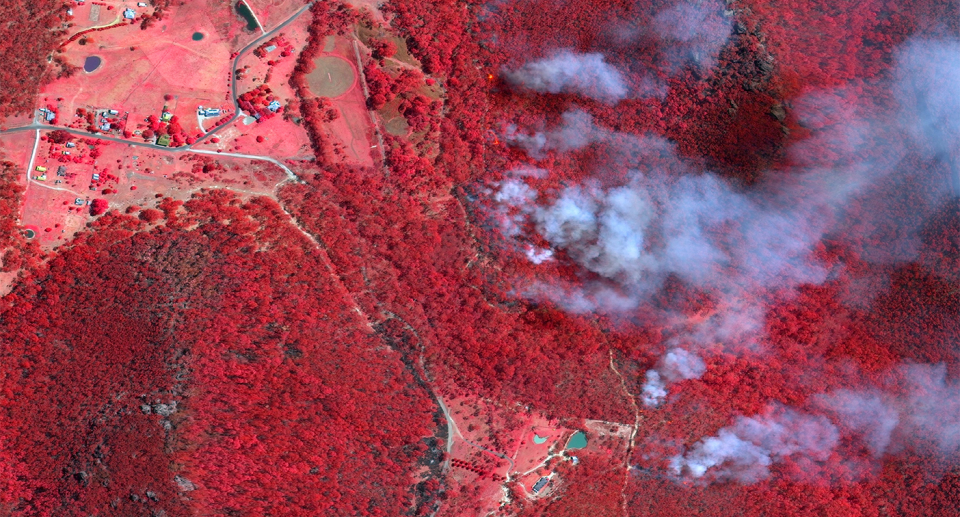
column 78, row 201
column 274, row 106
column 211, row 112
column 69, row 12
column 141, row 4
column 71, row 145
column 166, row 116
column 62, row 170
column 66, row 153
column 129, row 13
column 105, row 126
column 540, row 484
column 96, row 177
column 41, row 168
column 113, row 112
column 271, row 48
column 42, row 177
column 50, row 115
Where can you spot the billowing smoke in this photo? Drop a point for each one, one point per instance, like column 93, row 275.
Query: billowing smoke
column 676, row 365
column 745, row 451
column 745, row 246
column 920, row 412
column 696, row 227
column 569, row 72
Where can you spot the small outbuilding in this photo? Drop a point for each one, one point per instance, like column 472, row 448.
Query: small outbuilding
column 129, row 14
column 274, row 106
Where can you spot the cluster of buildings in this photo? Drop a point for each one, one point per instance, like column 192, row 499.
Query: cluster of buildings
column 104, row 125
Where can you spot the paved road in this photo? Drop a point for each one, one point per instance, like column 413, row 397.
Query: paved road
column 190, row 147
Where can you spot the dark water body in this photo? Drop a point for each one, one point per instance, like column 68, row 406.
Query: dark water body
column 197, row 36
column 247, row 14
column 91, row 63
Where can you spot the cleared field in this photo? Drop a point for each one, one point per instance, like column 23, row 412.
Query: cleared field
column 142, row 71
column 332, row 77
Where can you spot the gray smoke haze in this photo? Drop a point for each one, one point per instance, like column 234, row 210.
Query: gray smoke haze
column 569, row 72
column 692, row 33
column 866, row 414
column 575, row 131
column 745, row 451
column 931, row 406
column 927, row 77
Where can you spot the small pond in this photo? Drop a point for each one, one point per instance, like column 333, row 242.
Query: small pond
column 247, row 14
column 537, row 439
column 577, row 441
column 29, row 233
column 197, row 36
column 91, row 63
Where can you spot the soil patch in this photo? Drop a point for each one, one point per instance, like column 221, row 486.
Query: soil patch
column 332, row 77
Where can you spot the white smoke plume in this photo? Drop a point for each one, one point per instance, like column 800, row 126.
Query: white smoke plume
column 676, row 365
column 696, row 227
column 745, row 451
column 570, row 72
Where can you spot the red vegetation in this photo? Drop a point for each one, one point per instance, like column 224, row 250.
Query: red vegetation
column 247, row 369
column 30, row 34
column 99, row 205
